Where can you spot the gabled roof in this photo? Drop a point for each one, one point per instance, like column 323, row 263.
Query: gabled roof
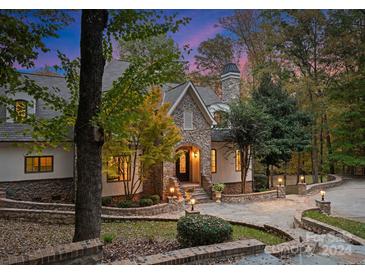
column 175, row 96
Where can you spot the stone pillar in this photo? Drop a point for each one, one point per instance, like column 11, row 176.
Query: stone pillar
column 302, row 189
column 324, row 206
column 280, row 191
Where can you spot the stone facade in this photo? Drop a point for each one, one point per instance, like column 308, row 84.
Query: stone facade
column 80, row 253
column 236, row 187
column 324, row 206
column 230, row 87
column 48, row 190
column 200, row 136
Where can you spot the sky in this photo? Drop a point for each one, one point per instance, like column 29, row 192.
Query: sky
column 201, row 27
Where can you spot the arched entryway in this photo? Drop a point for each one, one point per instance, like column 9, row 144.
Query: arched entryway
column 188, row 164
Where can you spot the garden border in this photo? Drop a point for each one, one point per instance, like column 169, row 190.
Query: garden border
column 321, row 228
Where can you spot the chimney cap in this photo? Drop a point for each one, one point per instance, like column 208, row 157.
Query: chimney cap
column 230, row 68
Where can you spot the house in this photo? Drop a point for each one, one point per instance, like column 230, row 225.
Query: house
column 206, row 156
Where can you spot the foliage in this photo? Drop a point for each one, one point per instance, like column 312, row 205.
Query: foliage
column 218, row 187
column 127, row 204
column 249, row 127
column 155, row 198
column 108, row 238
column 354, row 227
column 195, row 230
column 146, row 202
column 106, row 201
column 153, row 49
column 151, row 131
column 244, row 232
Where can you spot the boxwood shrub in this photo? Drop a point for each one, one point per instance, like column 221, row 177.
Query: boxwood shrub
column 145, row 202
column 194, row 230
column 155, row 198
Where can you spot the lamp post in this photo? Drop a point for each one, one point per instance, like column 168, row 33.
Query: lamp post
column 280, row 181
column 302, row 179
column 322, row 194
column 192, row 202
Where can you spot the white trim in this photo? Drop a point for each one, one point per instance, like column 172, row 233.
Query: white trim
column 206, row 112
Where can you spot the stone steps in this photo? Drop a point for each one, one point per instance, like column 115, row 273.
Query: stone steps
column 199, row 194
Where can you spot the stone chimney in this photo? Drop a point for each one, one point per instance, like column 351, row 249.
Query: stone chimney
column 230, row 80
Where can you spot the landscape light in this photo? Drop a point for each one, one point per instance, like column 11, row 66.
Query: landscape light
column 192, row 202
column 302, row 179
column 322, row 194
column 172, row 191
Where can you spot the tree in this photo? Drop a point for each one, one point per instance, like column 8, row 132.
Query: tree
column 288, row 124
column 87, row 103
column 248, row 127
column 151, row 138
column 212, row 55
column 153, row 49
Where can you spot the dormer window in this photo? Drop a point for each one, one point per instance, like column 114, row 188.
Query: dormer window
column 21, row 110
column 188, row 120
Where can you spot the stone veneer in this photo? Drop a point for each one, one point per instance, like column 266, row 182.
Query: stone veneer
column 80, row 253
column 45, row 190
column 230, row 88
column 236, row 187
column 256, row 196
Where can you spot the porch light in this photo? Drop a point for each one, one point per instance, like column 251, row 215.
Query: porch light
column 172, row 191
column 302, row 179
column 322, row 194
column 195, row 154
column 192, row 202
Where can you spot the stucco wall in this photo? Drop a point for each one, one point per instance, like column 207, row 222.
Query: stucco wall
column 12, row 163
column 226, row 164
column 117, row 188
column 200, row 136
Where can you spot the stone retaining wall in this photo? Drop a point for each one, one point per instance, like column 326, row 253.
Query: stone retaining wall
column 323, row 228
column 85, row 252
column 336, row 181
column 236, row 187
column 256, row 196
column 143, row 211
column 48, row 190
column 198, row 254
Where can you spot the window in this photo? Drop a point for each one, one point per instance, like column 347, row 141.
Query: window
column 188, row 120
column 213, row 160
column 238, row 160
column 119, row 169
column 21, row 110
column 38, row 164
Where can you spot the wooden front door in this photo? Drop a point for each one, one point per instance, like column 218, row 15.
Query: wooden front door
column 183, row 167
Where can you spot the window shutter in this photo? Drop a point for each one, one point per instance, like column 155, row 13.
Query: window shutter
column 188, row 120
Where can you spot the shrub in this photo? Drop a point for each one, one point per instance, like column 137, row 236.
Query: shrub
column 145, row 202
column 218, row 187
column 108, row 238
column 260, row 182
column 155, row 198
column 106, row 201
column 125, row 204
column 194, row 230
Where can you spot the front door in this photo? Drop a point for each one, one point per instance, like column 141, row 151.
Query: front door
column 183, row 166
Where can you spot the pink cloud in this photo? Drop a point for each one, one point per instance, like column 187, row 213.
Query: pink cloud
column 205, row 33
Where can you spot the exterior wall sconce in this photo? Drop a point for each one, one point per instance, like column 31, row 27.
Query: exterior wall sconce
column 195, row 154
column 172, row 191
column 322, row 192
column 192, row 202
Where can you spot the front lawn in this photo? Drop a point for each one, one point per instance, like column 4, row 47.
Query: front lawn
column 354, row 227
column 129, row 239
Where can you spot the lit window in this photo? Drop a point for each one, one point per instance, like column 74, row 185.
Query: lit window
column 119, row 168
column 182, row 165
column 38, row 164
column 213, row 160
column 20, row 108
column 238, row 161
column 188, row 120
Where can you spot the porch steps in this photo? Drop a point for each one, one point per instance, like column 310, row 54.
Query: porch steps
column 199, row 194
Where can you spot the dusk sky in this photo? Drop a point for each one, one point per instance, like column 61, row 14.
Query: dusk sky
column 200, row 28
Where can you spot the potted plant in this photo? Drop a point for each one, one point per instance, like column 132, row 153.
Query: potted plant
column 218, row 189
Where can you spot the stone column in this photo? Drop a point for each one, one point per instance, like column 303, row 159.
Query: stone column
column 324, row 206
column 281, row 191
column 302, row 189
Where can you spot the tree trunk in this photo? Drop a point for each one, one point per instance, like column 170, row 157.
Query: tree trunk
column 314, row 155
column 321, row 151
column 89, row 138
column 268, row 176
column 299, row 160
column 285, row 172
column 329, row 145
column 272, row 176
